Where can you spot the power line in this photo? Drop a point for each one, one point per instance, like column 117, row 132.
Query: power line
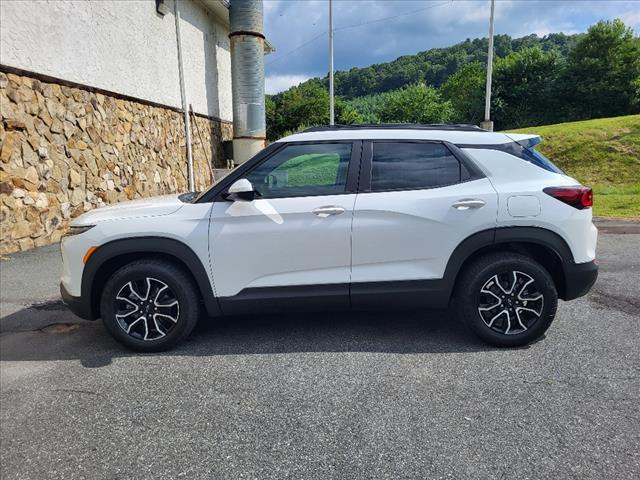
column 286, row 54
column 392, row 17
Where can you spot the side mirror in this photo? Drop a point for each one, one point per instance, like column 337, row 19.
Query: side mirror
column 241, row 190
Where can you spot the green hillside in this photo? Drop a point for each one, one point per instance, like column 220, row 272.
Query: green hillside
column 604, row 154
column 435, row 65
column 536, row 81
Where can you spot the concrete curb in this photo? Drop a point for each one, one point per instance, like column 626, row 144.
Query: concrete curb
column 617, row 225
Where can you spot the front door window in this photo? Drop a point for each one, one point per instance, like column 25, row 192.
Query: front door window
column 303, row 170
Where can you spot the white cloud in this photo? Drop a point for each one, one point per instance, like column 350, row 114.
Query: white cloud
column 632, row 19
column 544, row 27
column 464, row 12
column 278, row 83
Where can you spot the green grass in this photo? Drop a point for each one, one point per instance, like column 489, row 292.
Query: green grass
column 602, row 153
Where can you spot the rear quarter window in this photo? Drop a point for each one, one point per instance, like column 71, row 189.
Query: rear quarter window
column 528, row 154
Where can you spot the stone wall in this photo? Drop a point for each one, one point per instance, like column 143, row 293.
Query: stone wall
column 66, row 150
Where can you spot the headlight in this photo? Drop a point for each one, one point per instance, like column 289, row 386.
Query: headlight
column 78, row 229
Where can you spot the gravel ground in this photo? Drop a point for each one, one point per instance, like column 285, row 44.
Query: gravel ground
column 404, row 395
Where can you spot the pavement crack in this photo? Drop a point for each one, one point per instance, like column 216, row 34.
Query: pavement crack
column 620, row 303
column 49, row 305
column 57, row 328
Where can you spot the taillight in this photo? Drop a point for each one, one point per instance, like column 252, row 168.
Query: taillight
column 578, row 196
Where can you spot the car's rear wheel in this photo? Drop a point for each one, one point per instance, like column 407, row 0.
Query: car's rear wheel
column 507, row 299
column 150, row 305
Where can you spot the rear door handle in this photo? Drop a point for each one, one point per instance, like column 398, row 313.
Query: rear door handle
column 327, row 211
column 468, row 203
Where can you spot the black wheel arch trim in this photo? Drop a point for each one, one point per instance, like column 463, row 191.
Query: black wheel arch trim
column 492, row 238
column 541, row 236
column 145, row 245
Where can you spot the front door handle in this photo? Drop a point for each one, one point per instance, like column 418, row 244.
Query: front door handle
column 327, row 211
column 468, row 203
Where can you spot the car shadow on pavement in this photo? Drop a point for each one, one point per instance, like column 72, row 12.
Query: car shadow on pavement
column 41, row 334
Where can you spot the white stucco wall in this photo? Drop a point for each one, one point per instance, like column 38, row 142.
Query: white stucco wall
column 122, row 46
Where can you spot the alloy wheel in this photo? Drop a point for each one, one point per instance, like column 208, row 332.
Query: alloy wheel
column 146, row 309
column 510, row 302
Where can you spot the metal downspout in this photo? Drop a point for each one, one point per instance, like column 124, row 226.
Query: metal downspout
column 247, row 78
column 183, row 95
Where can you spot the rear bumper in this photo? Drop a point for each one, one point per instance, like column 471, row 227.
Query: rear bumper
column 579, row 278
column 78, row 305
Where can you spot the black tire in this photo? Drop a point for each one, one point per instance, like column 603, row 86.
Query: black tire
column 481, row 300
column 154, row 330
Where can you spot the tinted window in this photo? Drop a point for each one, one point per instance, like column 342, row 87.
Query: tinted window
column 301, row 170
column 401, row 165
column 528, row 154
column 537, row 158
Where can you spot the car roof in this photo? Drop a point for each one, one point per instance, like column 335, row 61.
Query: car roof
column 455, row 136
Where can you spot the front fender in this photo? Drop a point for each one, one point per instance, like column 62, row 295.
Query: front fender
column 101, row 264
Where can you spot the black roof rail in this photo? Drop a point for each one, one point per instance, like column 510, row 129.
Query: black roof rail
column 397, row 126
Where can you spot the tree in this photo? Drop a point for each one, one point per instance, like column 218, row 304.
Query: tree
column 465, row 90
column 525, row 88
column 370, row 106
column 602, row 72
column 416, row 103
column 303, row 106
column 272, row 114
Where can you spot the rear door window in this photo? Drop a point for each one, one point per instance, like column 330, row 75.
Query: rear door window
column 413, row 166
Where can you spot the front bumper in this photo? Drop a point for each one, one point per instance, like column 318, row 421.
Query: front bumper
column 579, row 278
column 78, row 305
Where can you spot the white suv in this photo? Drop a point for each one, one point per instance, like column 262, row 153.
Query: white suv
column 388, row 216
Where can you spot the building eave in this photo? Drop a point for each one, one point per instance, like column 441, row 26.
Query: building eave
column 218, row 8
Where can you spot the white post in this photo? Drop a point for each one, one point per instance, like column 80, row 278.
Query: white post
column 183, row 95
column 331, row 113
column 487, row 124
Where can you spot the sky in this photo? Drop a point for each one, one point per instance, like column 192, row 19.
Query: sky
column 375, row 31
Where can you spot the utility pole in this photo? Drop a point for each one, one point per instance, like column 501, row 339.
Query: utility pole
column 487, row 124
column 331, row 113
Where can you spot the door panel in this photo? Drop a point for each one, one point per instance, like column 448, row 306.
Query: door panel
column 280, row 242
column 410, row 235
column 297, row 232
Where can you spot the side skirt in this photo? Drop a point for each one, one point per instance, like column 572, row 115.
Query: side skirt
column 399, row 295
column 287, row 299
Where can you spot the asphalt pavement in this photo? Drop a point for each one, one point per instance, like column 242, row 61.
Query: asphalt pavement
column 345, row 396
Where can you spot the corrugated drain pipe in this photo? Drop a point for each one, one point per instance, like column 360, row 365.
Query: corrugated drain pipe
column 247, row 78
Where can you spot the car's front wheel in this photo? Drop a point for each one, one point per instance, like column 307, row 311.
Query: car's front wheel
column 149, row 305
column 507, row 299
